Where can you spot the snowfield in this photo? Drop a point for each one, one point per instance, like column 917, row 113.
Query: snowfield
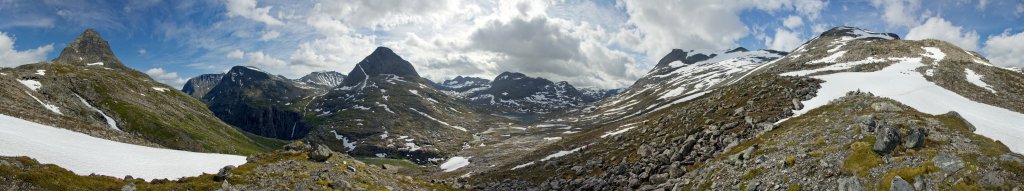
column 83, row 154
column 902, row 83
column 454, row 163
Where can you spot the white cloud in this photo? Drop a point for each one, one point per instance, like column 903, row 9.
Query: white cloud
column 247, row 9
column 142, row 51
column 898, row 12
column 982, row 4
column 1005, row 49
column 269, row 35
column 170, row 78
column 11, row 57
column 259, row 59
column 236, row 54
column 1020, row 9
column 784, row 40
column 694, row 24
column 792, row 22
column 940, row 29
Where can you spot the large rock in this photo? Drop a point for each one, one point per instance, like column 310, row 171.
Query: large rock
column 850, row 184
column 320, row 154
column 223, row 173
column 915, row 139
column 898, row 184
column 948, row 163
column 886, row 139
column 886, row 107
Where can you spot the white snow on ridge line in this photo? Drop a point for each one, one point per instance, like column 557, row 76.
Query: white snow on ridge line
column 95, row 64
column 83, row 154
column 454, row 163
column 31, row 84
column 975, row 78
column 902, row 83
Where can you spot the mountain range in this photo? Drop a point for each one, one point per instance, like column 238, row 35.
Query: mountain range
column 850, row 109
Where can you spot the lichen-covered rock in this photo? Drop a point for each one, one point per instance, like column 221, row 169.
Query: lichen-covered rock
column 886, row 139
column 320, row 154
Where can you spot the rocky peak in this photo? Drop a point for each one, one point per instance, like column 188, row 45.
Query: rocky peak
column 858, row 33
column 687, row 57
column 89, row 48
column 381, row 61
column 198, row 86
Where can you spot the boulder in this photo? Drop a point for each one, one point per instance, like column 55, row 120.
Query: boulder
column 948, row 163
column 868, row 121
column 898, row 184
column 223, row 173
column 886, row 107
column 915, row 139
column 886, row 139
column 850, row 184
column 322, row 153
column 991, row 180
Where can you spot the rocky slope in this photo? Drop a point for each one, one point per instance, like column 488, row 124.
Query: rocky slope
column 385, row 109
column 198, row 86
column 463, row 87
column 88, row 90
column 260, row 103
column 767, row 130
column 678, row 77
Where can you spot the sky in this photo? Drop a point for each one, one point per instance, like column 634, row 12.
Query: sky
column 601, row 43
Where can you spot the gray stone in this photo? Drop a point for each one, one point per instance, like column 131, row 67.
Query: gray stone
column 991, row 179
column 919, row 183
column 797, row 105
column 886, row 139
column 898, row 184
column 321, row 154
column 850, row 184
column 948, row 163
column 970, row 127
column 868, row 121
column 298, row 146
column 128, row 187
column 223, row 173
column 915, row 139
column 886, row 106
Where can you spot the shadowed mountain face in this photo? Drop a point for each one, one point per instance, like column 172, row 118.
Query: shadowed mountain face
column 326, row 79
column 259, row 103
column 198, row 86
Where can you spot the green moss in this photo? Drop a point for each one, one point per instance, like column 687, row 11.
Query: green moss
column 387, row 161
column 790, row 161
column 907, row 174
column 794, row 187
column 861, row 159
column 751, row 174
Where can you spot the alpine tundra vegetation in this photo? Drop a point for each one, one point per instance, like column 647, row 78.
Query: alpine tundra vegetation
column 512, row 95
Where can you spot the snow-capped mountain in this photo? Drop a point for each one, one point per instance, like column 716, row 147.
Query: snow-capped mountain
column 385, row 109
column 325, row 79
column 516, row 92
column 463, row 87
column 681, row 76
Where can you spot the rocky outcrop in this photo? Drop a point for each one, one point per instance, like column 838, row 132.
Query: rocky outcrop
column 198, row 86
column 259, row 102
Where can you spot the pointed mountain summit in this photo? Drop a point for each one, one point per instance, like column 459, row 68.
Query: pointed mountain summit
column 198, row 86
column 89, row 49
column 381, row 61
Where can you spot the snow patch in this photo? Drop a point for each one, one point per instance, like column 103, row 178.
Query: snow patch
column 95, row 64
column 438, row 121
column 975, row 78
column 110, row 121
column 454, row 163
column 52, row 108
column 83, row 154
column 159, row 89
column 31, row 84
column 41, row 72
column 344, row 141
